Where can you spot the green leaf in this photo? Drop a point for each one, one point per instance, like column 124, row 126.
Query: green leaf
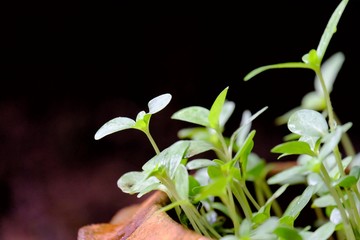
column 355, row 171
column 293, row 147
column 199, row 163
column 227, row 110
column 114, row 125
column 345, row 181
column 158, row 103
column 195, row 114
column 285, row 232
column 216, row 188
column 311, row 59
column 324, row 232
column 245, row 227
column 142, row 121
column 169, row 159
column 335, row 216
column 194, row 186
column 265, row 209
column 299, row 203
column 266, row 229
column 307, row 122
column 330, row 29
column 181, row 181
column 329, row 69
column 324, row 201
column 196, row 133
column 332, row 141
column 197, row 147
column 290, row 175
column 214, row 171
column 215, row 110
column 135, row 182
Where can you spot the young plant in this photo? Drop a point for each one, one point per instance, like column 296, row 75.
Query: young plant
column 316, row 139
column 230, row 195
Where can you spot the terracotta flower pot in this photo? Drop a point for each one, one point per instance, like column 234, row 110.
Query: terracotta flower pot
column 140, row 221
column 144, row 221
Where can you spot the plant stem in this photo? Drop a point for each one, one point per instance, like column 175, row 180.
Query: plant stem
column 241, row 198
column 197, row 221
column 327, row 180
column 147, row 132
column 232, row 211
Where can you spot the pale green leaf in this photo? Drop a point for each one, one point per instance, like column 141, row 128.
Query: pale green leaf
column 135, row 182
column 298, row 204
column 330, row 29
column 266, row 229
column 197, row 147
column 313, row 100
column 329, row 69
column 324, row 232
column 169, row 159
column 199, row 163
column 181, row 181
column 226, row 112
column 307, row 122
column 335, row 216
column 158, row 103
column 197, row 115
column 324, row 201
column 114, row 125
column 290, row 175
column 332, row 141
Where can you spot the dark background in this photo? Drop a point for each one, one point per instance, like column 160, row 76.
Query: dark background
column 67, row 69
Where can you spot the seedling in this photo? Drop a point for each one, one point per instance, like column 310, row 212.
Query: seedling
column 212, row 195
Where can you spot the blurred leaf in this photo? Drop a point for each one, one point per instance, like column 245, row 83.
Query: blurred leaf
column 324, row 201
column 290, row 175
column 199, row 163
column 324, row 232
column 181, row 181
column 216, row 188
column 345, row 181
column 285, row 232
column 195, row 114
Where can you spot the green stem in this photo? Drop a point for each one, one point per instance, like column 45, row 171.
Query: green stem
column 199, row 224
column 241, row 198
column 346, row 142
column 232, row 211
column 331, row 115
column 249, row 195
column 275, row 205
column 335, row 194
column 147, row 132
column 226, row 152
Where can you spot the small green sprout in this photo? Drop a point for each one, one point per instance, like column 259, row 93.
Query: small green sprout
column 141, row 122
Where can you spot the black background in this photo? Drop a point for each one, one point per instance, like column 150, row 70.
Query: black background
column 69, row 68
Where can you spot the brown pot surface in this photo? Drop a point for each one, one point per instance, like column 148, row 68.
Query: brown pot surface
column 140, row 221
